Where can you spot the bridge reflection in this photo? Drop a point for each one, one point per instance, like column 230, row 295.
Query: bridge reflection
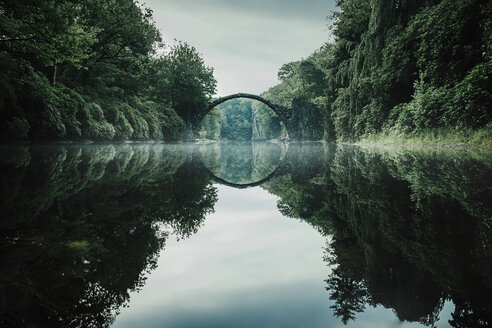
column 247, row 165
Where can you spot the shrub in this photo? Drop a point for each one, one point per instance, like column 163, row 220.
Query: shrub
column 172, row 125
column 16, row 128
column 68, row 103
column 464, row 105
column 94, row 124
column 139, row 125
column 472, row 98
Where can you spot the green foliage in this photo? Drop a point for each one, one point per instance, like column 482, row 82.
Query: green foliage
column 448, row 40
column 94, row 123
column 45, row 111
column 351, row 21
column 401, row 67
column 439, row 136
column 182, row 81
column 210, row 128
column 70, row 69
column 466, row 105
column 123, row 128
column 69, row 103
column 303, row 82
column 236, row 119
column 173, row 126
column 115, row 41
column 266, row 124
column 434, row 71
column 46, row 31
column 139, row 125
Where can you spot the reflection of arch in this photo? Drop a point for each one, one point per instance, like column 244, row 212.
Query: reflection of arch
column 245, row 185
column 281, row 168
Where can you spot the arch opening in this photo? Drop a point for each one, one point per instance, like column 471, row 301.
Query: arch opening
column 219, row 101
column 263, row 126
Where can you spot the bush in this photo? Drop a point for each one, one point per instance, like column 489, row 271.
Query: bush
column 172, row 125
column 472, row 97
column 16, row 128
column 159, row 122
column 149, row 112
column 94, row 124
column 39, row 101
column 114, row 114
column 122, row 127
column 68, row 103
column 464, row 105
column 139, row 125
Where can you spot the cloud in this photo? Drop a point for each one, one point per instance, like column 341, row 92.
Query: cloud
column 245, row 41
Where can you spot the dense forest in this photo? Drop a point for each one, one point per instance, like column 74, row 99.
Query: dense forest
column 394, row 69
column 71, row 69
column 399, row 68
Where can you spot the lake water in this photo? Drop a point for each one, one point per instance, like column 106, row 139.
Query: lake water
column 244, row 235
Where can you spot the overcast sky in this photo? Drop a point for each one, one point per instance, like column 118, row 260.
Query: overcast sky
column 246, row 42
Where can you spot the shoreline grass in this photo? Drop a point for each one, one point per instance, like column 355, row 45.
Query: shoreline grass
column 481, row 138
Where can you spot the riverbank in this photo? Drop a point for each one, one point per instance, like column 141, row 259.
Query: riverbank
column 481, row 138
column 439, row 138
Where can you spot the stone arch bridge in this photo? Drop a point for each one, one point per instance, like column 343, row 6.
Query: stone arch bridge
column 291, row 118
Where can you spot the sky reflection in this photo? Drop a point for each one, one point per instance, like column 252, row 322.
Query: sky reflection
column 248, row 266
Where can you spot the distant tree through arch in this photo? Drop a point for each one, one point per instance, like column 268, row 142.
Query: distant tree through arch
column 282, row 112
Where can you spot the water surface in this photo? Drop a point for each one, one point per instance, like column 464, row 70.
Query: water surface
column 244, row 235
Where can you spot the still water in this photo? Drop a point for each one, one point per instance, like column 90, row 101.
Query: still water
column 244, row 235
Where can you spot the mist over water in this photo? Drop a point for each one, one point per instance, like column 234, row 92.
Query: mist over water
column 305, row 234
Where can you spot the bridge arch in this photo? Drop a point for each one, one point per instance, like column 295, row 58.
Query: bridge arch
column 219, row 101
column 282, row 112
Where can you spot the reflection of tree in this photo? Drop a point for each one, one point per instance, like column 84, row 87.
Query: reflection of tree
column 82, row 226
column 302, row 192
column 190, row 199
column 407, row 230
column 349, row 296
column 465, row 316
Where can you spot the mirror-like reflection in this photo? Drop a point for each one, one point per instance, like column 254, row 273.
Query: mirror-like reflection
column 408, row 230
column 80, row 227
column 243, row 164
column 83, row 226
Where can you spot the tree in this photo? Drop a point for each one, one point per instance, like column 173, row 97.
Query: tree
column 186, row 84
column 45, row 32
